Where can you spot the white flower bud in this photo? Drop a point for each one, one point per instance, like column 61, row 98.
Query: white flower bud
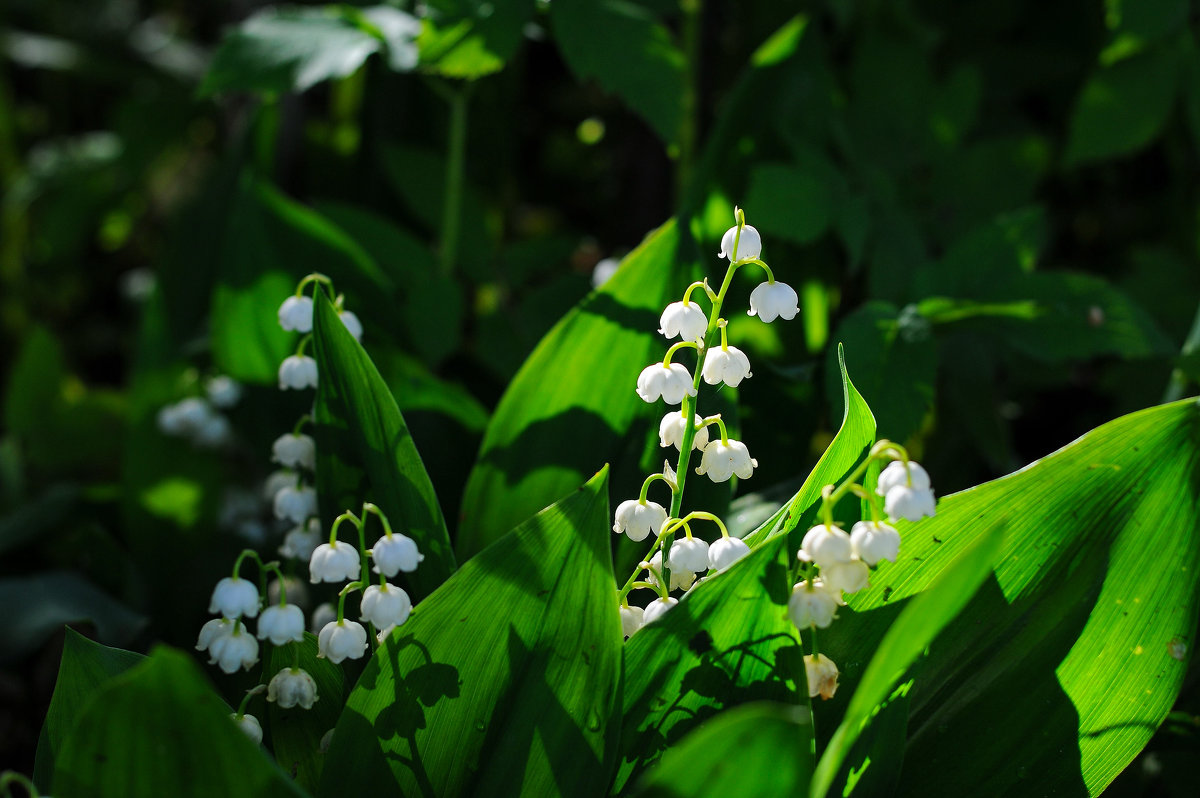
column 729, row 365
column 281, row 623
column 295, row 504
column 323, row 614
column 849, row 577
column 771, row 300
column 657, row 609
column 671, row 383
column 223, row 391
column 395, row 554
column 299, row 543
column 909, row 504
column 686, row 321
column 352, row 324
column 297, row 372
column 294, row 451
column 341, row 640
column 672, row 427
column 639, row 520
column 895, row 475
column 334, row 562
column 631, row 620
column 276, row 481
column 238, row 649
column 249, row 726
column 722, row 460
column 725, row 552
column 822, row 676
column 749, row 244
column 234, row 597
column 296, row 314
column 292, row 687
column 813, row 605
column 385, row 605
column 689, row 554
column 826, row 546
column 873, row 541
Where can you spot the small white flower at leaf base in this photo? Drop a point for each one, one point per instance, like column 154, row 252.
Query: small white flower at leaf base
column 281, row 623
column 657, row 609
column 774, row 300
column 323, row 614
column 334, row 562
column 234, row 597
column 909, row 504
column 680, row 579
column 395, row 554
column 300, row 542
column 672, row 427
column 873, row 541
column 352, row 324
column 292, row 687
column 849, row 577
column 729, row 366
column 385, row 605
column 639, row 520
column 822, row 676
column 249, row 726
column 725, row 552
column 722, row 460
column 688, row 321
column 211, row 631
column 238, row 649
column 826, row 546
column 295, row 504
column 294, row 451
column 339, row 641
column 296, row 314
column 277, row 481
column 631, row 620
column 297, row 372
column 813, row 606
column 223, row 391
column 670, row 383
column 689, row 554
column 749, row 245
column 895, row 475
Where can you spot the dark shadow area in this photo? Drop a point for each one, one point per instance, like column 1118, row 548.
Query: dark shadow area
column 605, row 305
column 553, row 441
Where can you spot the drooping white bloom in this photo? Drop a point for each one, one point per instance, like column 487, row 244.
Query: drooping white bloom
column 771, row 300
column 238, row 649
column 728, row 365
column 689, row 554
column 295, row 504
column 276, row 481
column 657, row 609
column 185, row 417
column 638, row 519
column 671, row 383
column 895, row 475
column 749, row 245
column 909, row 504
column 292, row 687
column 223, row 391
column 813, row 605
column 822, row 676
column 216, row 628
column 873, row 541
column 323, row 614
column 234, row 597
column 249, row 726
column 385, row 605
column 849, row 577
column 340, row 640
column 686, row 321
column 333, row 562
column 826, row 546
column 395, row 554
column 296, row 314
column 672, row 427
column 352, row 324
column 281, row 623
column 294, row 451
column 631, row 620
column 722, row 460
column 726, row 551
column 301, row 540
column 297, row 372
column 680, row 579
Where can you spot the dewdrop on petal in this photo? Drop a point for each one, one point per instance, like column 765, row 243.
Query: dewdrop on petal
column 340, row 640
column 657, row 609
column 292, row 687
column 873, row 541
column 352, row 324
column 670, row 383
column 234, row 597
column 385, row 605
column 295, row 504
column 723, row 459
column 822, row 676
column 826, row 546
column 672, row 427
column 749, row 245
column 689, row 554
column 281, row 623
column 249, row 726
column 774, row 300
column 631, row 620
column 725, row 552
column 334, row 562
column 296, row 314
column 297, row 372
column 728, row 365
column 688, row 321
column 395, row 553
column 813, row 605
column 639, row 519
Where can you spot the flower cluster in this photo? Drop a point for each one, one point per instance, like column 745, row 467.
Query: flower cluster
column 199, row 418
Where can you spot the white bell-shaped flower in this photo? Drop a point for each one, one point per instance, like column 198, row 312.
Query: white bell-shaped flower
column 249, row 726
column 670, row 383
column 238, row 649
column 822, row 676
column 296, row 314
column 341, row 640
column 631, row 620
column 234, row 597
column 638, row 519
column 689, row 554
column 725, row 552
column 216, row 628
column 813, row 605
column 323, row 614
column 334, row 562
column 385, row 605
column 223, row 391
column 723, row 459
column 826, row 546
column 895, row 475
column 185, row 417
column 292, row 687
column 772, row 300
column 728, row 365
column 873, row 541
column 749, row 245
column 672, row 427
column 909, row 503
column 277, row 481
column 681, row 579
column 395, row 553
column 352, row 324
column 281, row 623
column 849, row 577
column 297, row 372
column 686, row 321
column 300, row 542
column 657, row 609
column 294, row 451
column 295, row 504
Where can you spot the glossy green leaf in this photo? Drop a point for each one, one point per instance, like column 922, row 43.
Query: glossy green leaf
column 759, row 749
column 728, row 642
column 469, row 39
column 628, row 53
column 296, row 732
column 160, row 729
column 363, row 441
column 505, row 680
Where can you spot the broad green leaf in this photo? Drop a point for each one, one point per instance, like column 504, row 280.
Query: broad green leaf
column 469, row 39
column 728, row 642
column 789, row 202
column 296, row 733
column 1089, row 618
column 759, row 749
column 85, row 666
column 911, row 633
column 160, row 729
column 360, row 432
column 628, row 53
column 505, row 680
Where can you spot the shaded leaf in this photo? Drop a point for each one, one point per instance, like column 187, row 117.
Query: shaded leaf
column 296, row 732
column 471, row 38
